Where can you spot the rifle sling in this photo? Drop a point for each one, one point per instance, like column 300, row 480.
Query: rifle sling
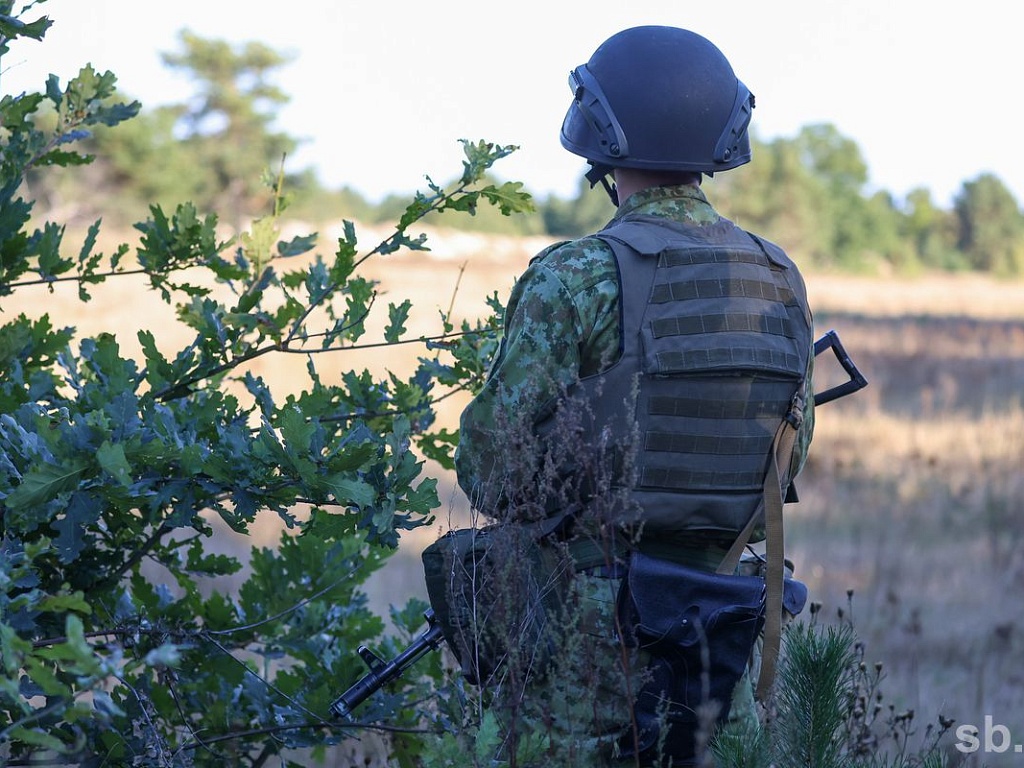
column 771, row 509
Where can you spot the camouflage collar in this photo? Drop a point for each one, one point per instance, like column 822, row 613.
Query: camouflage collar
column 685, row 199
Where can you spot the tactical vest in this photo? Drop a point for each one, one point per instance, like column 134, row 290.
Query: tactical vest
column 716, row 340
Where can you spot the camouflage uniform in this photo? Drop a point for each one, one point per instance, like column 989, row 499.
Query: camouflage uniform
column 562, row 319
column 563, row 324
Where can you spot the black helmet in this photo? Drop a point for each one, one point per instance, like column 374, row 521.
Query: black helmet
column 658, row 98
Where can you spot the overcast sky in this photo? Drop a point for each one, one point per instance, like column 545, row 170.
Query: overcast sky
column 381, row 90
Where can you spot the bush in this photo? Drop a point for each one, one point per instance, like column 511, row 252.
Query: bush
column 125, row 639
column 828, row 711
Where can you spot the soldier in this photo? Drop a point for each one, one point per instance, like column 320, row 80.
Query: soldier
column 657, row 371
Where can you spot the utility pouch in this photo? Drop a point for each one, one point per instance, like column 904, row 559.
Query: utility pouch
column 699, row 629
column 497, row 592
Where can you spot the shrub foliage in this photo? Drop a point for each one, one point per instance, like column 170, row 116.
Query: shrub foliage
column 119, row 641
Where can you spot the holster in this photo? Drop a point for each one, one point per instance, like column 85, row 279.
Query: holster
column 698, row 629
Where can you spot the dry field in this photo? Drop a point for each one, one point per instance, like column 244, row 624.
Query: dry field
column 913, row 497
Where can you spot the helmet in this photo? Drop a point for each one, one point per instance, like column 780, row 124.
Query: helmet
column 658, row 98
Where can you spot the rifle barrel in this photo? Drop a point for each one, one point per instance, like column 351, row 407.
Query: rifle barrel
column 383, row 672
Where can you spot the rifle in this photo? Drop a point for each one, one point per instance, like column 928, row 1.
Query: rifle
column 383, row 672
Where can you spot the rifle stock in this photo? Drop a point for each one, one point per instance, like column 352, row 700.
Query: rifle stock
column 856, row 381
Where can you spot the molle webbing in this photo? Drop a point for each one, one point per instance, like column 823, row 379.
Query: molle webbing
column 733, row 308
column 682, row 290
column 720, row 323
column 707, row 434
column 673, row 443
column 717, row 335
column 741, row 358
column 710, row 407
column 677, row 478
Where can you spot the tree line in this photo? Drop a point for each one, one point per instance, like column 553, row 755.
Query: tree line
column 809, row 192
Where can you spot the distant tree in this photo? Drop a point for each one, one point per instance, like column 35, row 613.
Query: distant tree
column 776, row 194
column 227, row 126
column 214, row 150
column 931, row 232
column 859, row 230
column 870, row 233
column 388, row 209
column 313, row 203
column 832, row 157
column 990, row 226
column 143, row 162
column 590, row 210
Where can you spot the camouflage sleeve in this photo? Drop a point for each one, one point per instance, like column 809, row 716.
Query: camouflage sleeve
column 802, row 444
column 806, row 433
column 557, row 313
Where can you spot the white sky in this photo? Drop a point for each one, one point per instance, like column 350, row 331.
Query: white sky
column 381, row 90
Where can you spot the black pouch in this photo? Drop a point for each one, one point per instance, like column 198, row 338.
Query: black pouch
column 699, row 629
column 497, row 591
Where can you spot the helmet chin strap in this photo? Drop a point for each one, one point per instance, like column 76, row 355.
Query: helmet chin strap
column 599, row 174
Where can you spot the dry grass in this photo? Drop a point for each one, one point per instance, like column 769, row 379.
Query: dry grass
column 914, row 494
column 974, row 296
column 913, row 498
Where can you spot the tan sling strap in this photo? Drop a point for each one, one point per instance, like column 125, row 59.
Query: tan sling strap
column 782, row 446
